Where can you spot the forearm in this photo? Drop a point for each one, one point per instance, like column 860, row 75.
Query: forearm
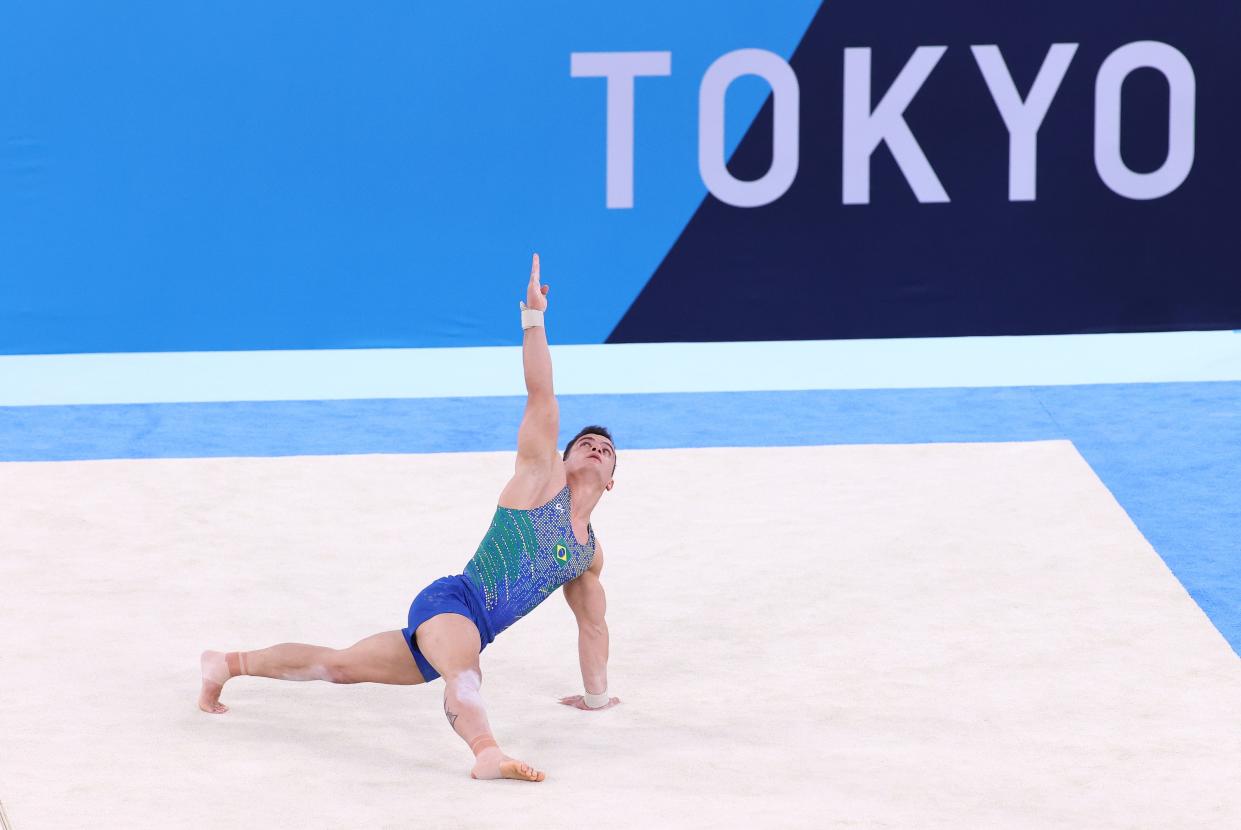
column 592, row 651
column 537, row 361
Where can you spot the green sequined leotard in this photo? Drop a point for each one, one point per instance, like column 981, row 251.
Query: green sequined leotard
column 525, row 556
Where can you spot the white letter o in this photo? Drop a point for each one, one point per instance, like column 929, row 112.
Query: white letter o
column 712, row 165
column 1181, row 91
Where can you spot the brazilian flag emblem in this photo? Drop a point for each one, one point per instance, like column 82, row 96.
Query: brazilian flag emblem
column 561, row 554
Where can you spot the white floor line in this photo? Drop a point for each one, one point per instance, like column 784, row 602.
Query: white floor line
column 336, row 374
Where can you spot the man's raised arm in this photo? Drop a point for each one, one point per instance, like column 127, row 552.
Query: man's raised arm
column 540, row 425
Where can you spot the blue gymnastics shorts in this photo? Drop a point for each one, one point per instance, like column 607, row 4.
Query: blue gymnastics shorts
column 447, row 595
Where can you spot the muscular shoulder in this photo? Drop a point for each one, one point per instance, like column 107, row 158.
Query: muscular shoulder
column 533, row 485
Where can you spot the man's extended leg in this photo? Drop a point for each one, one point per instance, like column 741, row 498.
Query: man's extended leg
column 451, row 644
column 380, row 658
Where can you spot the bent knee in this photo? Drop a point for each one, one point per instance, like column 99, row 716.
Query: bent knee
column 465, row 682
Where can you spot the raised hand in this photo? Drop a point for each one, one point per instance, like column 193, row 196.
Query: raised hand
column 536, row 293
column 579, row 702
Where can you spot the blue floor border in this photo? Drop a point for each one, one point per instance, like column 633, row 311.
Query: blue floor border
column 1169, row 452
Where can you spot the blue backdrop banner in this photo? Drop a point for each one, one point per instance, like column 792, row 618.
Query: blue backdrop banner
column 233, row 176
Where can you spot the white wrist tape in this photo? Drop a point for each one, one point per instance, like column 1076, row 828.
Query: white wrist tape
column 530, row 317
column 596, row 701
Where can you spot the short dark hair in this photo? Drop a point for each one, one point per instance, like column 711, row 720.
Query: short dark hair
column 593, row 429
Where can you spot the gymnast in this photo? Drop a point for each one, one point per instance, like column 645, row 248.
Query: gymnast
column 540, row 538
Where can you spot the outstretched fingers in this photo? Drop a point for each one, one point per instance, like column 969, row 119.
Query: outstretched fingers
column 536, row 291
column 535, row 277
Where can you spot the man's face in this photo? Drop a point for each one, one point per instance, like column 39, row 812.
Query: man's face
column 595, row 455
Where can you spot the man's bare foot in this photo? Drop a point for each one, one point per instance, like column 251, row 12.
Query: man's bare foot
column 215, row 674
column 492, row 763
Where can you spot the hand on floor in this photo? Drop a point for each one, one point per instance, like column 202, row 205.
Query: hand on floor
column 579, row 702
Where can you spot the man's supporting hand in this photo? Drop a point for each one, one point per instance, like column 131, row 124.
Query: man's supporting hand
column 579, row 702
